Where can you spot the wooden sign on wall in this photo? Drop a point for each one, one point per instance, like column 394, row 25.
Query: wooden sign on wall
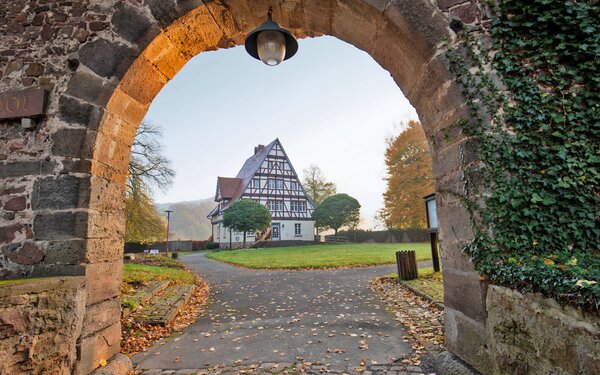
column 20, row 104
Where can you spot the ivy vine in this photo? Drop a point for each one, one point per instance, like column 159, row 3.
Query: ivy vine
column 538, row 132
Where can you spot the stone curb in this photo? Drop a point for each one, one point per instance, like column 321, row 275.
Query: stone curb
column 447, row 363
column 164, row 311
column 438, row 305
column 146, row 293
column 120, row 364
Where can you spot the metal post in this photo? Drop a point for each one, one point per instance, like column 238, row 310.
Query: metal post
column 168, row 225
column 434, row 251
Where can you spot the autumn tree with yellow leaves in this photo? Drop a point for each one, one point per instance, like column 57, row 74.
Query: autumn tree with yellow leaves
column 409, row 179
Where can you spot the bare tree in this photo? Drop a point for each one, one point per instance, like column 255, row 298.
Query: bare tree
column 315, row 184
column 148, row 167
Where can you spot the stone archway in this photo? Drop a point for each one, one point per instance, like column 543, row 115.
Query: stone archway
column 103, row 62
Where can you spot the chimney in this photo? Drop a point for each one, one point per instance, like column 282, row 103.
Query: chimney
column 258, row 148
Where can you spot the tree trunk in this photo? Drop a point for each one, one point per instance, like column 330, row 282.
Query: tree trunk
column 230, row 238
column 335, row 231
column 244, row 244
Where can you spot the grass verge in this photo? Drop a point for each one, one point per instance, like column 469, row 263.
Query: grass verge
column 320, row 256
column 428, row 284
column 141, row 274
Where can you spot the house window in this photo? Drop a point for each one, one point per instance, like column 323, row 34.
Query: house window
column 256, row 183
column 302, row 206
column 278, row 205
column 294, row 206
column 271, row 205
column 279, row 184
column 271, row 184
column 273, row 165
column 294, row 186
column 298, row 229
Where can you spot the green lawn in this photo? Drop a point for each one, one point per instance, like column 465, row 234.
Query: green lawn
column 320, row 256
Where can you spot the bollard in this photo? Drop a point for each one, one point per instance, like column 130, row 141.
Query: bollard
column 407, row 265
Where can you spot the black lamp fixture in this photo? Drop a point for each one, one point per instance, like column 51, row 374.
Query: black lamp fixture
column 271, row 43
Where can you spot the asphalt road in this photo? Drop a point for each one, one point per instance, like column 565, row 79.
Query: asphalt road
column 327, row 316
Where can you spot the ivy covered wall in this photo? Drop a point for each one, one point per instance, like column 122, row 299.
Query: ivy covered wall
column 537, row 219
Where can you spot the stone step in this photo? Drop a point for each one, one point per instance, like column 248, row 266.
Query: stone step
column 145, row 294
column 163, row 308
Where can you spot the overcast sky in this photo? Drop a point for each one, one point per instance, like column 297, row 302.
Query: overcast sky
column 331, row 105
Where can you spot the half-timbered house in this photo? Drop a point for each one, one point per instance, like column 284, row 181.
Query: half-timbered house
column 269, row 178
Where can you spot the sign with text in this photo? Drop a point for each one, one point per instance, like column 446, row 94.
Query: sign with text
column 19, row 104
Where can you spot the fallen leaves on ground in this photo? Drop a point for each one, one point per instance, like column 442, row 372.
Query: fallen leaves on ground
column 138, row 337
column 424, row 322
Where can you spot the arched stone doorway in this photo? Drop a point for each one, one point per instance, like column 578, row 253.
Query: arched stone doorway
column 103, row 62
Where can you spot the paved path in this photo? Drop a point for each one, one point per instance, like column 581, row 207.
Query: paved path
column 282, row 319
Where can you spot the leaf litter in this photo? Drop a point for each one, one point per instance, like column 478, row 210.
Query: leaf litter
column 423, row 320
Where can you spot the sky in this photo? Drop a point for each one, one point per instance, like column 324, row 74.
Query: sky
column 331, row 105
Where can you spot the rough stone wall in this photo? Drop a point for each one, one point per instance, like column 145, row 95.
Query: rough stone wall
column 529, row 334
column 464, row 290
column 56, row 218
column 103, row 61
column 40, row 321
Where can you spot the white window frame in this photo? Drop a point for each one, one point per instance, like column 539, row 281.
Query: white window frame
column 279, row 184
column 256, row 183
column 271, row 205
column 278, row 205
column 297, row 229
column 294, row 206
column 294, row 185
column 271, row 183
column 302, row 206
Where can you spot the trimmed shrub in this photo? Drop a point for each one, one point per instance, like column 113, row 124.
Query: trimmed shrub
column 212, row 245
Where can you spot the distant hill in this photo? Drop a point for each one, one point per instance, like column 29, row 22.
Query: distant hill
column 188, row 220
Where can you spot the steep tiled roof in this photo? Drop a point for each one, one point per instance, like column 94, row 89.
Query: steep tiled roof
column 250, row 168
column 233, row 188
column 228, row 186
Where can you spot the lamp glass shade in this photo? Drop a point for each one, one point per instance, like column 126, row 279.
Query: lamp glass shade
column 271, row 47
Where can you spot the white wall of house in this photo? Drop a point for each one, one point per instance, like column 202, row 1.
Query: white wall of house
column 288, row 230
column 221, row 235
